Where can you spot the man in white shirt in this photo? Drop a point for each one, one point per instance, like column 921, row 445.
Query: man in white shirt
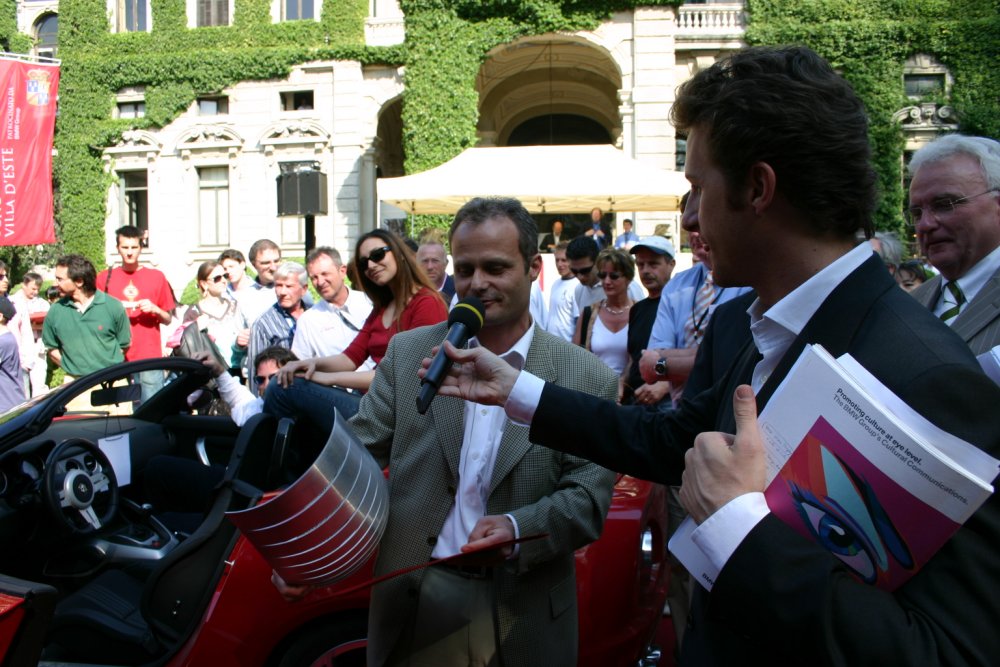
column 331, row 324
column 955, row 209
column 771, row 133
column 562, row 297
column 252, row 297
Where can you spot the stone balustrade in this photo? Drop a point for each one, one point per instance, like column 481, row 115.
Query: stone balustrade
column 721, row 20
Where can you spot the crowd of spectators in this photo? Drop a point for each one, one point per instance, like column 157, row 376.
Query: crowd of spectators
column 672, row 341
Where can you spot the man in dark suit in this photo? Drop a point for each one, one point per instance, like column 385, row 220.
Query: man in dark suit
column 779, row 163
column 553, row 238
column 599, row 229
column 955, row 209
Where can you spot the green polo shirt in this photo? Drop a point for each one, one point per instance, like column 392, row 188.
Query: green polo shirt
column 91, row 340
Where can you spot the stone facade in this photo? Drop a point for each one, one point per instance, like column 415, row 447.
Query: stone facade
column 207, row 181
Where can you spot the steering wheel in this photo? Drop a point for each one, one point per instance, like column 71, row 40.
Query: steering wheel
column 70, row 492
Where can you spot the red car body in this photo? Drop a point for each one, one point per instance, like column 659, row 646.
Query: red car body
column 621, row 584
column 621, row 590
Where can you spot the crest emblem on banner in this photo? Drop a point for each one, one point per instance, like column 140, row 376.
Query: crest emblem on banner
column 38, row 84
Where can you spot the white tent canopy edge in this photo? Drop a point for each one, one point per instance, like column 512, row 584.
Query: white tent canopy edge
column 553, row 179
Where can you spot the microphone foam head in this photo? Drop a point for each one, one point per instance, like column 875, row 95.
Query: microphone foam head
column 470, row 312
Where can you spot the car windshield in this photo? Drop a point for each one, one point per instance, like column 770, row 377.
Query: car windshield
column 23, row 407
column 113, row 395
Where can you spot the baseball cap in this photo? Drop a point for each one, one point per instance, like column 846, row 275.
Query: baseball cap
column 6, row 309
column 657, row 244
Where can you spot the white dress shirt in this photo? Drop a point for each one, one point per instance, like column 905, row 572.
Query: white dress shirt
column 972, row 282
column 325, row 329
column 483, row 428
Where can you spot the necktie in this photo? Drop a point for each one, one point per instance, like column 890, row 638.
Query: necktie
column 953, row 297
column 703, row 300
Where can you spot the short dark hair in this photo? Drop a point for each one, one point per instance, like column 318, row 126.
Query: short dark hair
column 128, row 231
column 232, row 253
column 32, row 277
column 785, row 106
column 582, row 247
column 481, row 209
column 261, row 244
column 276, row 353
column 79, row 268
column 316, row 253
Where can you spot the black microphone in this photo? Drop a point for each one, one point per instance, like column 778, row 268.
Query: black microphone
column 464, row 321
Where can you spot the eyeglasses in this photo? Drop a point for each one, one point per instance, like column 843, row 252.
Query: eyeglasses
column 264, row 379
column 219, row 278
column 582, row 272
column 941, row 208
column 376, row 255
column 614, row 275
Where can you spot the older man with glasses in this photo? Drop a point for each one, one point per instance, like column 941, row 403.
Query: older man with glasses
column 955, row 209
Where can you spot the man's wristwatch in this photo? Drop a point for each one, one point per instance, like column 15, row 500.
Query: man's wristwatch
column 660, row 367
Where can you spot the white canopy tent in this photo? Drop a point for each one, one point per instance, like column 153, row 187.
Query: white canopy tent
column 547, row 179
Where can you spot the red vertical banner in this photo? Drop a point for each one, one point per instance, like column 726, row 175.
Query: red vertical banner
column 29, row 119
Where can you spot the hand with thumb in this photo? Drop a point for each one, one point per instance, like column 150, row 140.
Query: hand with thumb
column 722, row 466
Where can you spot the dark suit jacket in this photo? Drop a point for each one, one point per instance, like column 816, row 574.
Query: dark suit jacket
column 781, row 599
column 726, row 337
column 448, row 289
column 979, row 322
column 549, row 239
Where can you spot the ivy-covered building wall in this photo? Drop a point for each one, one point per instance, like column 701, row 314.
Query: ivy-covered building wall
column 441, row 62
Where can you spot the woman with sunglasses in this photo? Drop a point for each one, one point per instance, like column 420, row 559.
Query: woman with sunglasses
column 220, row 315
column 403, row 298
column 603, row 327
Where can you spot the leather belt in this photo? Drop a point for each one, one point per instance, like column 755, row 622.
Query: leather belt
column 467, row 571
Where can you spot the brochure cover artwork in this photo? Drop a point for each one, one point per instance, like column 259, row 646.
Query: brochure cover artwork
column 830, row 493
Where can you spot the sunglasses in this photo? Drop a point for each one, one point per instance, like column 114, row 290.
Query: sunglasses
column 582, row 272
column 219, row 278
column 376, row 255
column 601, row 275
column 262, row 379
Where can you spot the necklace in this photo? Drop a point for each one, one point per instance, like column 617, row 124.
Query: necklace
column 616, row 311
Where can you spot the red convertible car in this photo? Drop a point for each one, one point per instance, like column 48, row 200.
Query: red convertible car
column 90, row 575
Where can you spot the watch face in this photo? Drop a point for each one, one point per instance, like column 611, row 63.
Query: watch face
column 660, row 368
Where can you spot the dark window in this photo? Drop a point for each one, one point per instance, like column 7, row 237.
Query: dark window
column 131, row 109
column 922, row 85
column 213, row 12
column 297, row 100
column 298, row 9
column 213, row 106
column 132, row 15
column 46, row 31
column 213, row 205
column 134, row 200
